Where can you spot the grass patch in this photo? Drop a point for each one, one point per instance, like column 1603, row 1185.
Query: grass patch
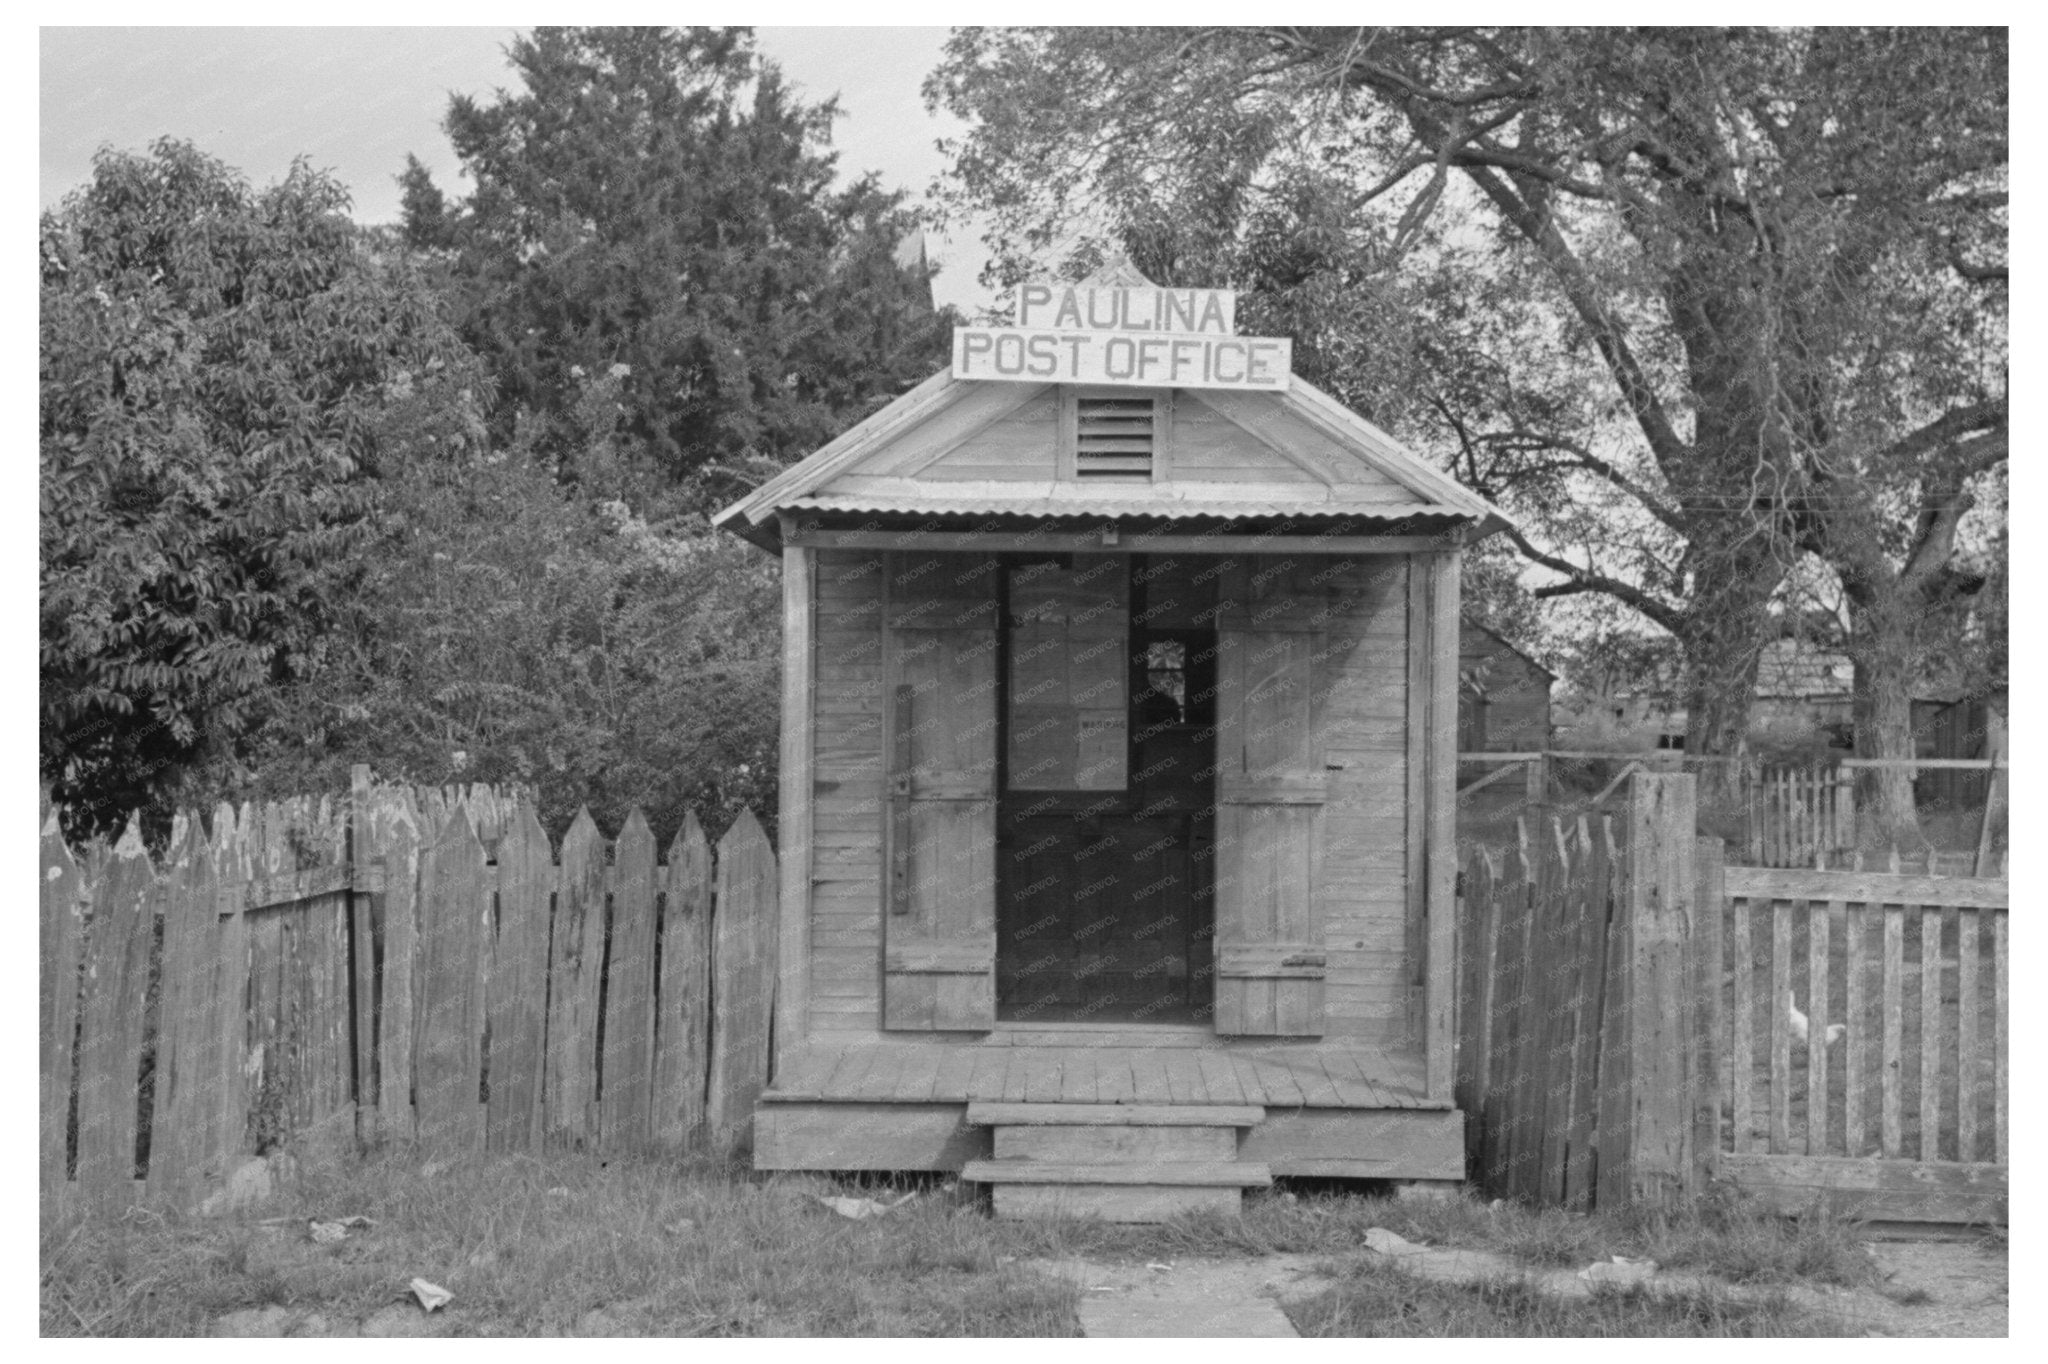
column 534, row 1246
column 1378, row 1300
column 575, row 1244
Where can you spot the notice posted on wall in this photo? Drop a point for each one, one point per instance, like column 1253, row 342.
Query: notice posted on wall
column 1119, row 358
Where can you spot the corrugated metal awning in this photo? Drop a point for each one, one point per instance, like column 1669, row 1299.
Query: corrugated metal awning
column 1097, row 505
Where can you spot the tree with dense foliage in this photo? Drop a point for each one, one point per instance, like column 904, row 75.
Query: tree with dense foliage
column 655, row 204
column 1695, row 304
column 507, row 630
column 224, row 374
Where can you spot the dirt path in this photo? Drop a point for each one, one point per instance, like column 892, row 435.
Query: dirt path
column 1932, row 1288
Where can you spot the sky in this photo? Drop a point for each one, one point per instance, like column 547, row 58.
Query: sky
column 356, row 100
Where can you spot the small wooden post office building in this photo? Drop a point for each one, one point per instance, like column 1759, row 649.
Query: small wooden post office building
column 1118, row 749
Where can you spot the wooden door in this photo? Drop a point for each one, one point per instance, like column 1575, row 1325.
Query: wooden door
column 1270, row 792
column 939, row 936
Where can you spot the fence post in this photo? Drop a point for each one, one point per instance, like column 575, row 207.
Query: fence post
column 1710, row 899
column 745, row 928
column 1660, row 1017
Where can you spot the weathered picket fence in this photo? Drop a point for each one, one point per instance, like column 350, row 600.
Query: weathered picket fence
column 1579, row 1035
column 403, row 963
column 1639, row 1020
column 1799, row 816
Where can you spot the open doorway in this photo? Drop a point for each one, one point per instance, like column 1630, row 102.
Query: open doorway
column 1106, row 803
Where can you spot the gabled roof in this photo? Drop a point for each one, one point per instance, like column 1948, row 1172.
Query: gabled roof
column 1471, row 628
column 942, row 450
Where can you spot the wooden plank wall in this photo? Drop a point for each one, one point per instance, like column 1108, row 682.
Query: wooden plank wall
column 847, row 766
column 417, row 966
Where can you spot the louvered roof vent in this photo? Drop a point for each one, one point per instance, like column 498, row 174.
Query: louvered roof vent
column 1113, row 439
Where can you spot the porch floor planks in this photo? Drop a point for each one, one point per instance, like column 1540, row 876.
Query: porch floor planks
column 1184, row 1077
column 1042, row 1076
column 1219, row 1078
column 1113, row 1082
column 879, row 1086
column 985, row 1083
column 1246, row 1068
column 908, row 1072
column 1278, row 1079
column 807, row 1075
column 1148, row 1081
column 951, row 1078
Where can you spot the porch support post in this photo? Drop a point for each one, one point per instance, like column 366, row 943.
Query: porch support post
column 793, row 822
column 1440, row 852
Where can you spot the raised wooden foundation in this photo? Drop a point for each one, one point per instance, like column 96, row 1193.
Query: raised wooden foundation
column 1341, row 1143
column 865, row 1136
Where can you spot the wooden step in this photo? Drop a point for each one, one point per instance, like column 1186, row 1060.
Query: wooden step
column 1207, row 1173
column 1104, row 1145
column 1114, row 1115
column 1113, row 1202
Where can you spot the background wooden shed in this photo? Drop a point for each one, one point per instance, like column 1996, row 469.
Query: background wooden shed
column 1117, row 795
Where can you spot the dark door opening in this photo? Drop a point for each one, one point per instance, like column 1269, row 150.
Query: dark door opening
column 1105, row 811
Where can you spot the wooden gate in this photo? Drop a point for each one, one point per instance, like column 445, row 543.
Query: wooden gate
column 1866, row 1042
column 1816, row 1038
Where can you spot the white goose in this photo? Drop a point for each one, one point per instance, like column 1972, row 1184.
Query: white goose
column 1834, row 1033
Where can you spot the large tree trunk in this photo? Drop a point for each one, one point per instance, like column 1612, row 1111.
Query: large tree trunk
column 1881, row 646
column 1722, row 635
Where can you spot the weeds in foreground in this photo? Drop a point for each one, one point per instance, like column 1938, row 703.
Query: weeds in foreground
column 578, row 1244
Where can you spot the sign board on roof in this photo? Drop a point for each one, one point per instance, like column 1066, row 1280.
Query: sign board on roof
column 1124, row 336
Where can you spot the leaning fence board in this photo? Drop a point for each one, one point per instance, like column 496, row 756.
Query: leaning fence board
column 628, row 1071
column 682, row 1029
column 61, row 940
column 110, row 1047
column 744, row 934
column 575, row 959
column 449, row 1070
column 395, row 833
column 519, row 982
column 186, row 896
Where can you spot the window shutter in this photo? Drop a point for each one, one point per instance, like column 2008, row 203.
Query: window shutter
column 1270, row 791
column 939, row 924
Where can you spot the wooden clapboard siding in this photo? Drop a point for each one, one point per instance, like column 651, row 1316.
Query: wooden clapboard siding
column 843, row 966
column 1208, row 447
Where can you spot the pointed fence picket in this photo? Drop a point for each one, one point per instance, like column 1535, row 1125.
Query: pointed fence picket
column 407, row 963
